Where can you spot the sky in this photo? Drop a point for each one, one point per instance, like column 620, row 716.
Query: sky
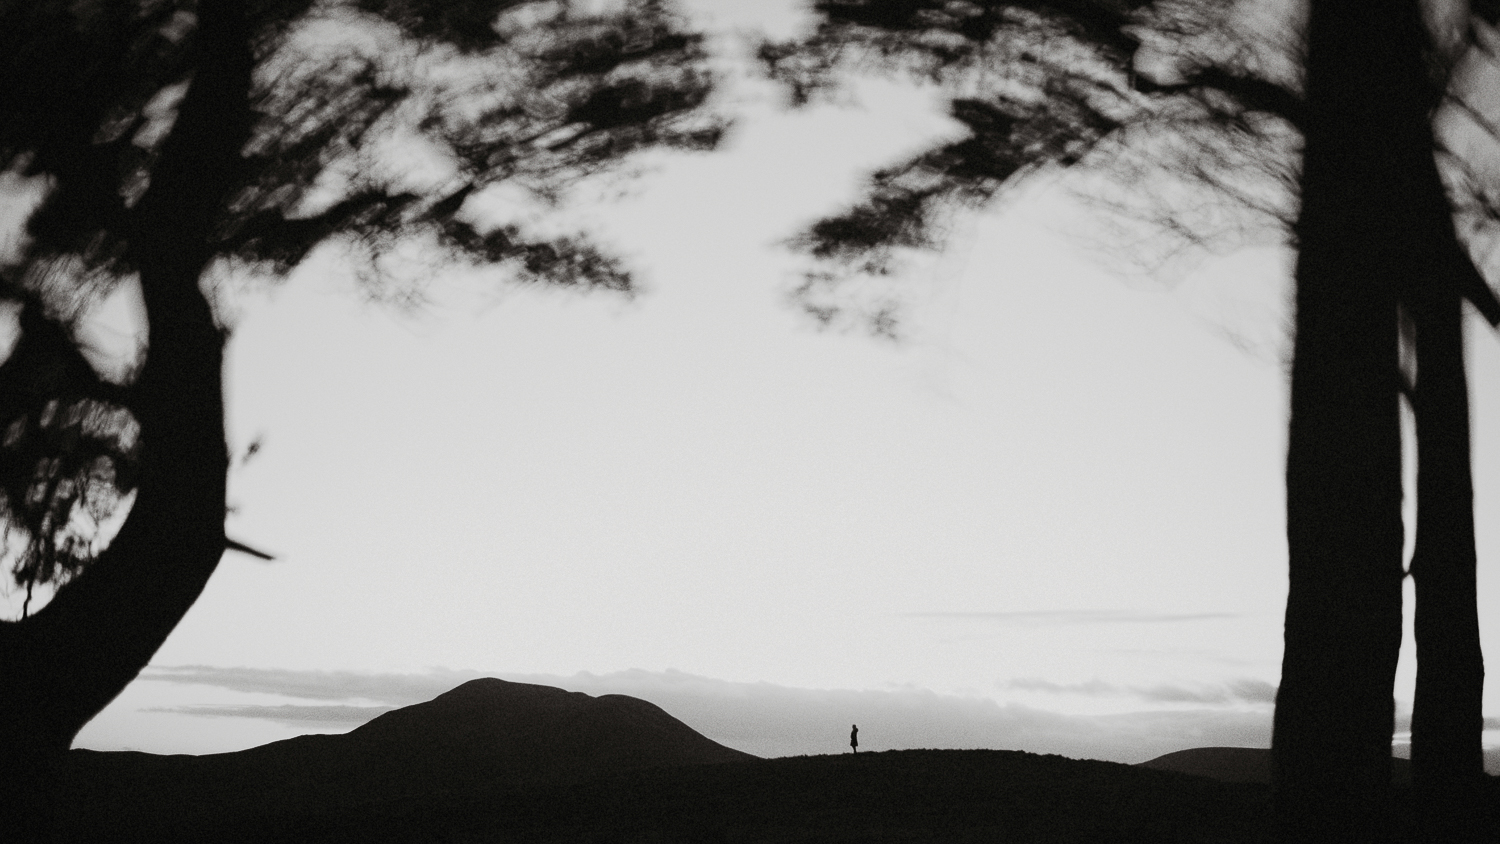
column 1050, row 518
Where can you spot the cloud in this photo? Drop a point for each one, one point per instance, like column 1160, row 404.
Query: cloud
column 1036, row 684
column 292, row 715
column 760, row 718
column 1253, row 691
column 1047, row 618
column 1246, row 690
column 394, row 689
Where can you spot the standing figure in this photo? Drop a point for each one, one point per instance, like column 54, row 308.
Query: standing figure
column 854, row 738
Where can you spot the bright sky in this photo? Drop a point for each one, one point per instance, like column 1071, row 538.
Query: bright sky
column 1051, row 519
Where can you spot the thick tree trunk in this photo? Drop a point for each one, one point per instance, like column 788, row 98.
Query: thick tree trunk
column 1366, row 99
column 63, row 664
column 1331, row 743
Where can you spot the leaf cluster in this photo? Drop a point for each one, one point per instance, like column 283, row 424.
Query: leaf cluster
column 348, row 97
column 69, row 454
column 1185, row 116
column 550, row 96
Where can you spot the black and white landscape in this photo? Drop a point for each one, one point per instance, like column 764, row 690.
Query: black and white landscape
column 1074, row 395
column 498, row 761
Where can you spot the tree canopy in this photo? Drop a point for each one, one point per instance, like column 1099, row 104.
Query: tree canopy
column 374, row 123
column 1183, row 119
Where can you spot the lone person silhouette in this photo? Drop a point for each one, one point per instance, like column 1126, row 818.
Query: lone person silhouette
column 854, row 738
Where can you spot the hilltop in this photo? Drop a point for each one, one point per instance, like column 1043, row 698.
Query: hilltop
column 486, row 735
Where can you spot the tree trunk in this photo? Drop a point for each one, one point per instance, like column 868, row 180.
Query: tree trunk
column 65, row 663
column 1447, row 716
column 1331, row 746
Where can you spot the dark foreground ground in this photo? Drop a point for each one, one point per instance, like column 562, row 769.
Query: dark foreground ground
column 904, row 795
column 497, row 761
column 908, row 796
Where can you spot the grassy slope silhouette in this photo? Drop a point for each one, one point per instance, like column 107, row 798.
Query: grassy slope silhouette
column 498, row 761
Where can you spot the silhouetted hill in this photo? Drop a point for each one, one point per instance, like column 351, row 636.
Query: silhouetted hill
column 1241, row 764
column 488, row 734
column 505, row 762
column 517, row 733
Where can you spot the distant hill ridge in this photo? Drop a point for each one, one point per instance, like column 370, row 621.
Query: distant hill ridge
column 498, row 761
column 1241, row 764
column 486, row 734
column 520, row 732
column 509, row 734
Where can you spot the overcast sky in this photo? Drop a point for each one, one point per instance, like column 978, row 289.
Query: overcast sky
column 1050, row 519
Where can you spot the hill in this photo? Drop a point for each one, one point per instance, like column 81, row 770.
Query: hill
column 487, row 733
column 507, row 762
column 1241, row 764
column 521, row 733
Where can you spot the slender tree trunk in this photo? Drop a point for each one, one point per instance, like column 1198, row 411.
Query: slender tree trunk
column 1331, row 745
column 63, row 664
column 1447, row 716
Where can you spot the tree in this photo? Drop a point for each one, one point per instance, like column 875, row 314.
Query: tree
column 1190, row 91
column 1447, row 717
column 174, row 137
column 1344, row 530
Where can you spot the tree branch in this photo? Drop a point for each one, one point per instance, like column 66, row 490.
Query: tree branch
column 1254, row 94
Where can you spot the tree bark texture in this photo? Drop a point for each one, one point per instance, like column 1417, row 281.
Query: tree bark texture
column 1367, row 102
column 63, row 664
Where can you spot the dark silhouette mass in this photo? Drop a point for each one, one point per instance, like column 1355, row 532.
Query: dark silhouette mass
column 498, row 761
column 486, row 736
column 1375, row 233
column 854, row 738
column 1242, row 764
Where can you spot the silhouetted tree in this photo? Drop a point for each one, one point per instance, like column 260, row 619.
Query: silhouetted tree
column 176, row 135
column 1447, row 715
column 1171, row 89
